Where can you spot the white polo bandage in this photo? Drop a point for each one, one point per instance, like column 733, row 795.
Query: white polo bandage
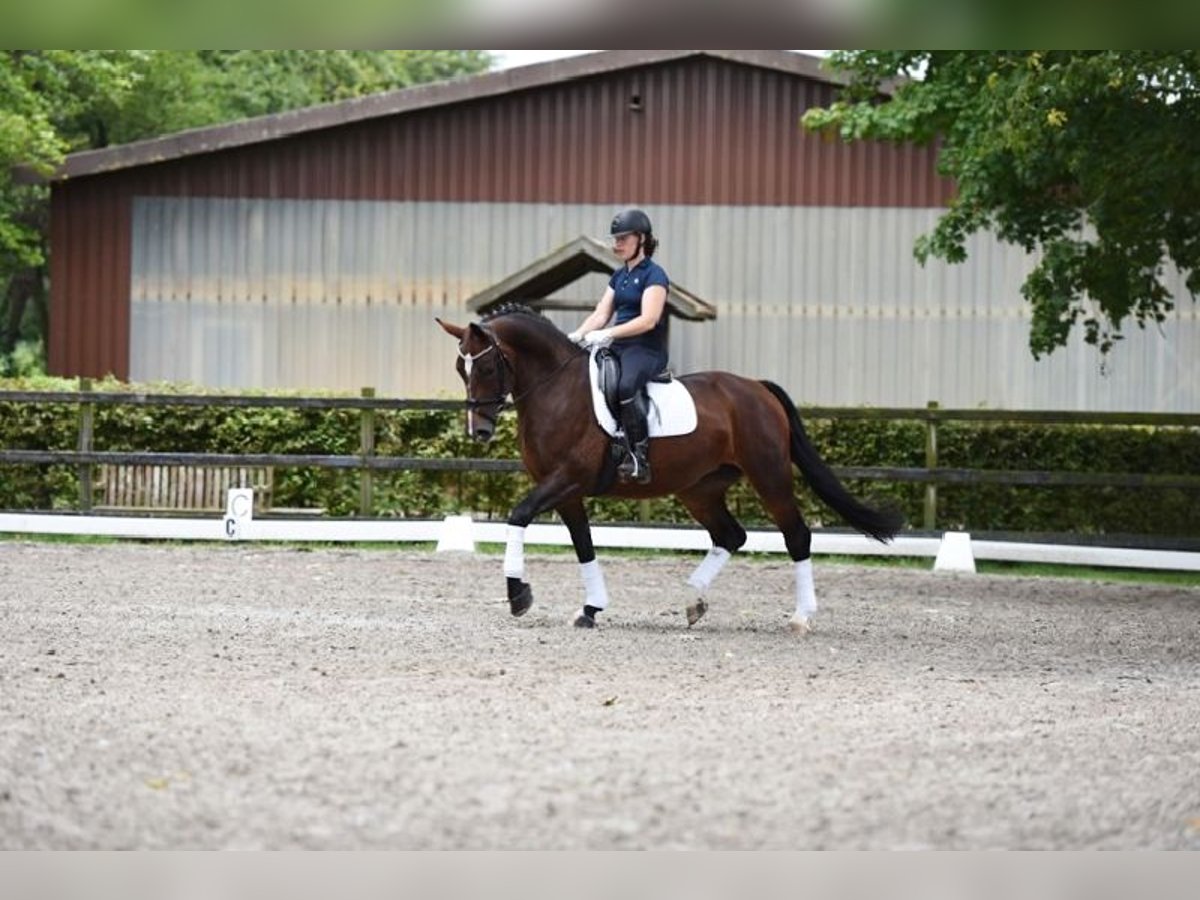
column 593, row 584
column 708, row 569
column 806, row 595
column 514, row 552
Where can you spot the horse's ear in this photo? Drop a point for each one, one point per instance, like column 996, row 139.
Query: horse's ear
column 455, row 331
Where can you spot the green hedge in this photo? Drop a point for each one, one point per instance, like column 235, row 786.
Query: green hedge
column 1158, row 512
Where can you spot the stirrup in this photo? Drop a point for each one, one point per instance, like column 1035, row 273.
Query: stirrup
column 634, row 469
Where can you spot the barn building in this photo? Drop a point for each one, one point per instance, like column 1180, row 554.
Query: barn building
column 312, row 249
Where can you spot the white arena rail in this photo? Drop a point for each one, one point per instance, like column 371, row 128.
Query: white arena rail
column 460, row 533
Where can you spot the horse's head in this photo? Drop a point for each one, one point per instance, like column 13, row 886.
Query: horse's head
column 485, row 372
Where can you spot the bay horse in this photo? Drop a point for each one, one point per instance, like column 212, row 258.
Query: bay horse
column 744, row 427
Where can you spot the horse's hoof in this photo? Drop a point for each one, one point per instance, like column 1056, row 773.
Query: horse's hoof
column 799, row 625
column 520, row 597
column 583, row 620
column 696, row 611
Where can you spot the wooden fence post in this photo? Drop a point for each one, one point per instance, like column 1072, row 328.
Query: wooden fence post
column 87, row 421
column 931, row 461
column 366, row 481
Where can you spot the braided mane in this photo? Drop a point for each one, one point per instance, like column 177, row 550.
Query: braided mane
column 513, row 308
column 533, row 322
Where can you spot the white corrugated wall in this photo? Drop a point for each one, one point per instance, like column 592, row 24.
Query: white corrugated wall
column 828, row 301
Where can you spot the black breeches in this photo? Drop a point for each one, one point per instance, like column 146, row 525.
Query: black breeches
column 638, row 365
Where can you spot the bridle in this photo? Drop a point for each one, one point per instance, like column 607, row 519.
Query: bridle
column 500, row 401
column 501, row 398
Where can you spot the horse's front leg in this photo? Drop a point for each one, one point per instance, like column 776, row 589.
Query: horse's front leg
column 596, row 594
column 547, row 495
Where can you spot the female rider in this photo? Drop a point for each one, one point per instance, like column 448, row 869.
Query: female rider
column 637, row 295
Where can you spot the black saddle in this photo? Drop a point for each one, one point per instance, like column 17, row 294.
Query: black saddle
column 608, row 375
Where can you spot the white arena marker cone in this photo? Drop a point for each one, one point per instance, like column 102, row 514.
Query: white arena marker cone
column 456, row 535
column 954, row 554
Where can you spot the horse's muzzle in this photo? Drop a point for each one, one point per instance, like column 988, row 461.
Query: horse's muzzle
column 480, row 426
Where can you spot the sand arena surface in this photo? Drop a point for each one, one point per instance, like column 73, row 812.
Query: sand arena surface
column 238, row 696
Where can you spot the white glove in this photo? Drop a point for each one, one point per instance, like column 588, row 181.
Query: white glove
column 600, row 338
column 576, row 337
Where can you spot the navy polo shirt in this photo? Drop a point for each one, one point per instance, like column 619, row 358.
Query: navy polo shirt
column 628, row 286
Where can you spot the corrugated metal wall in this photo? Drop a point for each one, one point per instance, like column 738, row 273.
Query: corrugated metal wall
column 89, row 279
column 827, row 301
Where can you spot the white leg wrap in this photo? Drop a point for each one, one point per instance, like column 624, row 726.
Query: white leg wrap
column 593, row 583
column 514, row 552
column 708, row 568
column 806, row 596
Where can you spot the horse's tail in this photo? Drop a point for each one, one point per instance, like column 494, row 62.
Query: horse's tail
column 881, row 524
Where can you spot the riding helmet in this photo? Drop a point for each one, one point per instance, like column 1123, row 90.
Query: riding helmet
column 628, row 221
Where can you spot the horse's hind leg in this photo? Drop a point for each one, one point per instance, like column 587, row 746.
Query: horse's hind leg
column 772, row 480
column 706, row 502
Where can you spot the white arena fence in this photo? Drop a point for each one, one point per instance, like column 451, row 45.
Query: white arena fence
column 949, row 550
column 954, row 551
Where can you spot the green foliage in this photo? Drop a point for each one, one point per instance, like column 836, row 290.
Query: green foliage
column 430, row 494
column 189, row 89
column 208, row 23
column 1077, row 448
column 45, row 99
column 27, row 358
column 1088, row 157
column 25, row 426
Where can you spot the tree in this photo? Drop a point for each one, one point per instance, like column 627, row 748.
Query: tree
column 54, row 102
column 187, row 90
column 1091, row 158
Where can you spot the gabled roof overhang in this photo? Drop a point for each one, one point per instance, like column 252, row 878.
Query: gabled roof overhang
column 534, row 284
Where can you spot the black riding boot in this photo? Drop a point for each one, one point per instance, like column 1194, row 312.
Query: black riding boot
column 637, row 439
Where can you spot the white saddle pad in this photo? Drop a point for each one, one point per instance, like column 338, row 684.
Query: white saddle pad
column 672, row 410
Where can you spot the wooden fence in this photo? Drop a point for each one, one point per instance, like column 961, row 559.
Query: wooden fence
column 367, row 462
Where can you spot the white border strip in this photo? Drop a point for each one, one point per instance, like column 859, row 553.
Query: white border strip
column 1078, row 555
column 398, row 531
column 214, row 529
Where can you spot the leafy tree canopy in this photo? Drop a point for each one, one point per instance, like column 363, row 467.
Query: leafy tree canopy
column 1090, row 158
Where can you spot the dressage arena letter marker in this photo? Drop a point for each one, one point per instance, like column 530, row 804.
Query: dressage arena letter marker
column 239, row 511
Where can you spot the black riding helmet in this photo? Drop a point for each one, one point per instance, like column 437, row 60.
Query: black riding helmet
column 628, row 221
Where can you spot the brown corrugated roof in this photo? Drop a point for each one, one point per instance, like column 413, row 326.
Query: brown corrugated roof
column 425, row 96
column 569, row 263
